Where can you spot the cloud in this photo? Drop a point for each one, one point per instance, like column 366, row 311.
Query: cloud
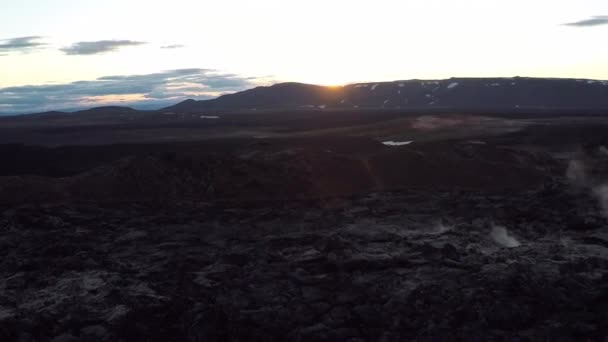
column 593, row 21
column 174, row 46
column 20, row 44
column 154, row 90
column 98, row 47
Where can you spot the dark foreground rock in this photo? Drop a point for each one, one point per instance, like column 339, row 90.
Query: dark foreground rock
column 407, row 265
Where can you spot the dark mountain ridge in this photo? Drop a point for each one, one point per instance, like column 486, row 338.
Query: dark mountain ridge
column 513, row 94
column 454, row 93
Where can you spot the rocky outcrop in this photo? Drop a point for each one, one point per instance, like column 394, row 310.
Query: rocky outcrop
column 289, row 174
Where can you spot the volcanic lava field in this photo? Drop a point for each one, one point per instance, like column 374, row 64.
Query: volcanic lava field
column 303, row 226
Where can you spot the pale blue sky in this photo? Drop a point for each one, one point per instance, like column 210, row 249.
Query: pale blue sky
column 315, row 41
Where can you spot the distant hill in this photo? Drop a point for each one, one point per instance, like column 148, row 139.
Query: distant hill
column 98, row 112
column 454, row 93
column 107, row 110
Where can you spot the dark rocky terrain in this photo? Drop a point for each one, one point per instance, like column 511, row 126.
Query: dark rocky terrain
column 121, row 225
column 385, row 266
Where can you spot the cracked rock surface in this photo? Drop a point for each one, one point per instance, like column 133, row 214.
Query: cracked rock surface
column 312, row 240
column 388, row 266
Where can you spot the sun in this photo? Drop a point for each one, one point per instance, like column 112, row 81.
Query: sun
column 331, row 81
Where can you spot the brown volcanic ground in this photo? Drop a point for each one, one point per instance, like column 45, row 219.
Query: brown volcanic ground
column 263, row 156
column 270, row 227
column 297, row 170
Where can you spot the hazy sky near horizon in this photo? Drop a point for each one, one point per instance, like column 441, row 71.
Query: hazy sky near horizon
column 66, row 54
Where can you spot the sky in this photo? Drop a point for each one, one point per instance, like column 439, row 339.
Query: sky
column 66, row 54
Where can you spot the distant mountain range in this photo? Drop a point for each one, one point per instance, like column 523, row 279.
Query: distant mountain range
column 455, row 94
